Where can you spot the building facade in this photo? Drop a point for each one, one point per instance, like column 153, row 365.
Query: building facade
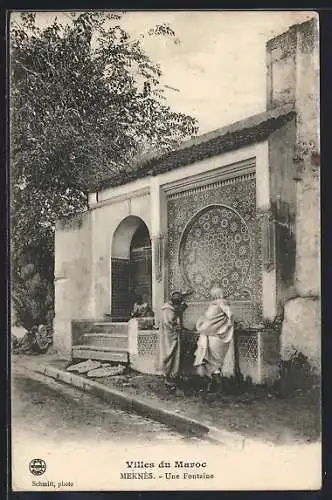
column 238, row 206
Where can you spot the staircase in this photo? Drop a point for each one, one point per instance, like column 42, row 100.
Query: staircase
column 100, row 340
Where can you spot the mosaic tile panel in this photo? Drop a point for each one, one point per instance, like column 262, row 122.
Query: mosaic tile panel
column 144, row 355
column 216, row 247
column 147, row 344
column 214, row 236
column 248, row 347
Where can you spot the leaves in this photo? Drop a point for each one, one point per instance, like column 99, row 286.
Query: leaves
column 164, row 30
column 102, row 101
column 86, row 103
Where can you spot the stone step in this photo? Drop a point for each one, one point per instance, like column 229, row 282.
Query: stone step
column 120, row 319
column 105, row 339
column 113, row 327
column 81, row 327
column 100, row 353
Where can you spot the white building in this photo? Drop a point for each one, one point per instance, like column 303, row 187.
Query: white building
column 238, row 206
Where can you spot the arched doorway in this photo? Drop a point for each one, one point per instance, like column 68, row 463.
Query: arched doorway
column 131, row 267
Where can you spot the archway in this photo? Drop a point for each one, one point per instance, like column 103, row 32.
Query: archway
column 131, row 266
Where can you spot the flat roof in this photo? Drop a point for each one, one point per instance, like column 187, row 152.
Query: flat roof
column 242, row 133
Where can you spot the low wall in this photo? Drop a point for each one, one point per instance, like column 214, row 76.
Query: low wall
column 255, row 352
column 258, row 354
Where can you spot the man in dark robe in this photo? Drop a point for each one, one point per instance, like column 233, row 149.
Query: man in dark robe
column 170, row 338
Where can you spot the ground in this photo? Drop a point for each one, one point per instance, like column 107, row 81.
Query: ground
column 255, row 413
column 251, row 412
column 45, row 409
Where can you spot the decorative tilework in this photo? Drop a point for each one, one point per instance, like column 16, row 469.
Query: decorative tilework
column 259, row 355
column 248, row 347
column 147, row 344
column 216, row 247
column 214, row 236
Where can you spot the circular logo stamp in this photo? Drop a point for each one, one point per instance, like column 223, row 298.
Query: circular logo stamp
column 37, row 466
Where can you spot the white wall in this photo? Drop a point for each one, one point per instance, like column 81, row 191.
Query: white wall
column 106, row 219
column 73, row 278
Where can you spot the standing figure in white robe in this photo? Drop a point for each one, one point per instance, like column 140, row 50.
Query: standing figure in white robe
column 216, row 329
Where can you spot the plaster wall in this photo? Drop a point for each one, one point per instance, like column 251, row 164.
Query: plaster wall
column 73, row 278
column 106, row 219
column 298, row 51
column 283, row 208
column 308, row 173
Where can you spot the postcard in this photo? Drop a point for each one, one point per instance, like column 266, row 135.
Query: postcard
column 165, row 250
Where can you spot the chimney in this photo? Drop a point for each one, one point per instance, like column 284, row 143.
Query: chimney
column 292, row 65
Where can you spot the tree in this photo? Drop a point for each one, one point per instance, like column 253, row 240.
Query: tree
column 85, row 102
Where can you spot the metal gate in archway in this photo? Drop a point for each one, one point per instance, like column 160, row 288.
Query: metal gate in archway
column 131, row 269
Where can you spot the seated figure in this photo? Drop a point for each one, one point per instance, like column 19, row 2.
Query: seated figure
column 141, row 309
column 216, row 329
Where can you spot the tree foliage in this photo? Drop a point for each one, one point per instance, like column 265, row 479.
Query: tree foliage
column 86, row 101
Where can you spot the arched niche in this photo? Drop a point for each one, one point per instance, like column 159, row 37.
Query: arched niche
column 131, row 273
column 123, row 235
